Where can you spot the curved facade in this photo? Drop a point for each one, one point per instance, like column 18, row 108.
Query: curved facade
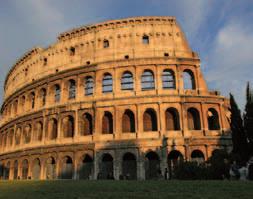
column 119, row 99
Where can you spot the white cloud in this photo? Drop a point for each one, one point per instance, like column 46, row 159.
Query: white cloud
column 230, row 61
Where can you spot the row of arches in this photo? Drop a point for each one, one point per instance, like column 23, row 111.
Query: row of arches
column 85, row 167
column 127, row 84
column 128, row 125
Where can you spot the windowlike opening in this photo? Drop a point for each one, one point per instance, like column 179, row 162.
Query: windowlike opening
column 106, row 44
column 86, row 167
column 36, row 169
column 149, row 120
column 89, row 86
column 127, row 82
column 189, row 80
column 27, row 134
column 57, row 93
column 197, row 156
column 43, row 94
column 32, row 98
column 107, row 83
column 87, row 127
column 172, row 120
column 126, row 56
column 152, row 166
column 52, row 129
column 72, row 51
column 72, row 89
column 193, row 119
column 174, row 158
column 166, row 54
column 15, row 107
column 45, row 61
column 25, row 167
column 107, row 123
column 106, row 167
column 147, row 80
column 38, row 131
column 67, row 168
column 128, row 122
column 129, row 167
column 68, row 125
column 213, row 119
column 18, row 136
column 50, row 169
column 145, row 39
column 168, row 79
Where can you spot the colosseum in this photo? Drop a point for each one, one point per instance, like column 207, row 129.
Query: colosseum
column 119, row 99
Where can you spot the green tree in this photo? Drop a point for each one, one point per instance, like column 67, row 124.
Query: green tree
column 240, row 144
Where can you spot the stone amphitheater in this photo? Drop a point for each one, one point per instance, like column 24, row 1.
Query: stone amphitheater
column 121, row 99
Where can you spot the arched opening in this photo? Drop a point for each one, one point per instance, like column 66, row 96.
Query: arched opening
column 106, row 167
column 172, row 119
column 197, row 156
column 86, row 167
column 36, row 168
column 43, row 95
column 107, row 83
column 193, row 119
column 27, row 134
column 168, row 78
column 127, row 82
column 18, row 136
column 22, row 103
column 52, row 129
column 68, row 126
column 189, row 80
column 10, row 138
column 25, row 167
column 129, row 167
column 89, row 84
column 38, row 131
column 128, row 122
column 32, row 100
column 147, row 80
column 57, row 93
column 15, row 107
column 87, row 127
column 174, row 159
column 149, row 120
column 152, row 166
column 213, row 119
column 6, row 171
column 106, row 43
column 145, row 39
column 72, row 89
column 107, row 123
column 72, row 51
column 67, row 168
column 15, row 170
column 50, row 169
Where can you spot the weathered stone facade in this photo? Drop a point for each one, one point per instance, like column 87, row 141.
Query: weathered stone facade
column 119, row 98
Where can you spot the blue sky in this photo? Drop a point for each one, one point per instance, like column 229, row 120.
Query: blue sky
column 221, row 31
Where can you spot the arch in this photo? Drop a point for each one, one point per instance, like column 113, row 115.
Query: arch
column 86, row 167
column 213, row 119
column 106, row 43
column 193, row 119
column 15, row 107
column 197, row 156
column 174, row 158
column 189, row 80
column 168, row 79
column 127, row 82
column 107, row 83
column 87, row 124
column 32, row 100
column 128, row 121
column 43, row 95
column 10, row 138
column 67, row 168
column 89, row 84
column 50, row 169
column 145, row 39
column 68, row 126
column 52, row 129
column 22, row 103
column 152, row 166
column 38, row 131
column 72, row 89
column 172, row 120
column 147, row 80
column 57, row 93
column 36, row 169
column 18, row 136
column 129, row 166
column 6, row 171
column 149, row 120
column 15, row 170
column 107, row 123
column 72, row 51
column 106, row 167
column 25, row 167
column 27, row 134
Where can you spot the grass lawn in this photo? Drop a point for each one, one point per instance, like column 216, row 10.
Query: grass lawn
column 125, row 189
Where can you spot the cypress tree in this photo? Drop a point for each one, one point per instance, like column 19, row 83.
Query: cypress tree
column 240, row 145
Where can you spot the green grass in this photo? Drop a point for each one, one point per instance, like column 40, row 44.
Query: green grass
column 125, row 189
